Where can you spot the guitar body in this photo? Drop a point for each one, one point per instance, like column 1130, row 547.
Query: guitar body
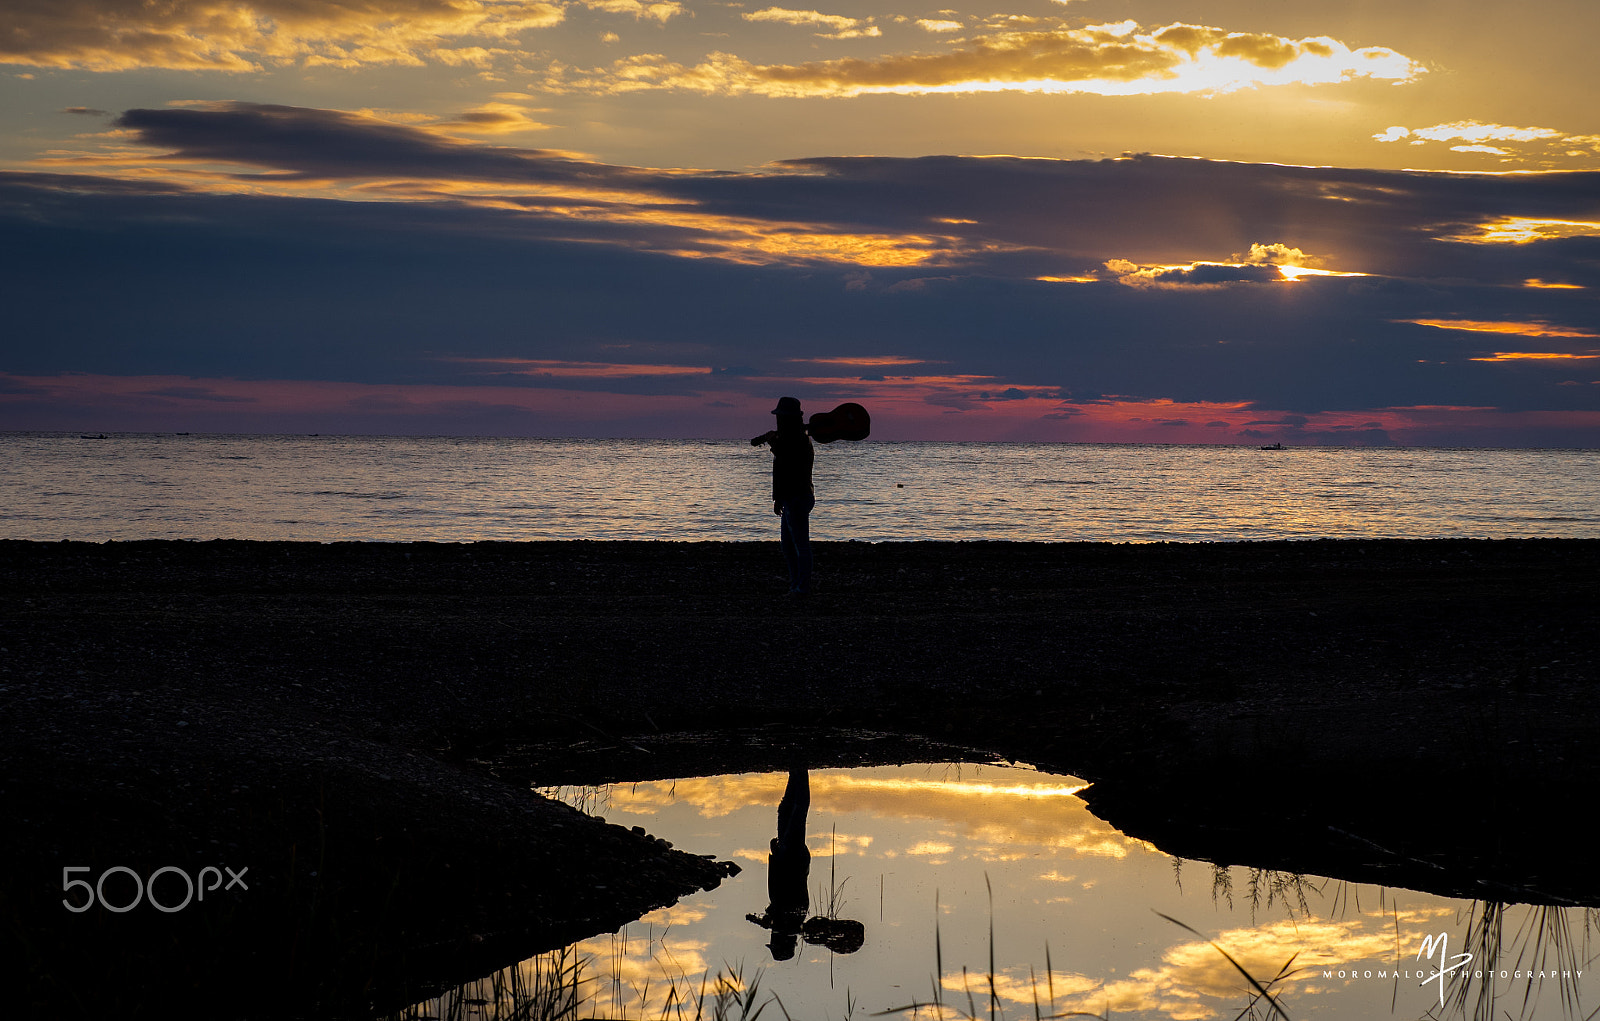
column 846, row 422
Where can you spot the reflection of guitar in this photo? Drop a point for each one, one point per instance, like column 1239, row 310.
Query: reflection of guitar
column 846, row 422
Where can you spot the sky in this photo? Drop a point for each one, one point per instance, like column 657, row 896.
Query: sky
column 1192, row 221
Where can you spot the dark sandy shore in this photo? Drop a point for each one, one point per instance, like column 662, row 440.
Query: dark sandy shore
column 357, row 725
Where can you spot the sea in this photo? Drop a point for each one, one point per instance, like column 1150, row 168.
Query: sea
column 129, row 486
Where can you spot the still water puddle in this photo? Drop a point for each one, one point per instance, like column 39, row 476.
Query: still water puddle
column 982, row 891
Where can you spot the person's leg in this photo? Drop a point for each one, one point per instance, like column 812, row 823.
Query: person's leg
column 791, row 553
column 797, row 515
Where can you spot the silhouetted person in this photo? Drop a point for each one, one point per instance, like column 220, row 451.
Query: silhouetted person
column 792, row 494
column 788, row 870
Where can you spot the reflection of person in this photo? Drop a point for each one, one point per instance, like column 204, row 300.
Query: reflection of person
column 788, row 869
column 792, row 494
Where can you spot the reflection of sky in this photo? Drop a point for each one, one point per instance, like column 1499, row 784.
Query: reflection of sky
column 908, row 846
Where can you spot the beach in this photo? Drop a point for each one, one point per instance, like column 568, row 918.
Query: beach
column 358, row 725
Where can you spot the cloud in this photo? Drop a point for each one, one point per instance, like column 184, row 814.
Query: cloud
column 550, row 369
column 1468, row 131
column 654, row 10
column 1263, row 263
column 424, row 260
column 1520, row 329
column 1545, row 143
column 841, row 27
column 1196, row 274
column 247, row 35
column 307, row 143
column 1275, row 254
column 1159, row 221
column 492, row 119
column 1115, row 59
column 938, row 25
column 198, row 393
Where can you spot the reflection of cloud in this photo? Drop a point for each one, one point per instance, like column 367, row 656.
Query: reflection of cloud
column 1193, row 973
column 1018, row 986
column 930, row 848
column 243, row 35
column 1107, row 59
column 675, row 914
column 641, row 968
column 994, row 818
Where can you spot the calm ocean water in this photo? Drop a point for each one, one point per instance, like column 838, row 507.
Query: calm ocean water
column 326, row 488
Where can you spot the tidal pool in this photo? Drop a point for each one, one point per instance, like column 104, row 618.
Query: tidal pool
column 986, row 891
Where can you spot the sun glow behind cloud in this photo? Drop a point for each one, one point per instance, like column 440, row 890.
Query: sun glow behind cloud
column 1111, row 60
column 1520, row 230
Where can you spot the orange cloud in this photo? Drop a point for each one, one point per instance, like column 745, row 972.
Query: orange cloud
column 496, row 118
column 655, row 10
column 1115, row 59
column 1468, row 131
column 1263, row 263
column 1520, row 329
column 246, row 35
column 1538, row 356
column 1520, row 230
column 842, row 27
column 864, row 361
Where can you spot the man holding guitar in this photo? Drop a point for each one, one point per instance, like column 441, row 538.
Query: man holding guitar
column 793, row 495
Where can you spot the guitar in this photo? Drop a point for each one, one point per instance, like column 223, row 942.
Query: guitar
column 846, row 422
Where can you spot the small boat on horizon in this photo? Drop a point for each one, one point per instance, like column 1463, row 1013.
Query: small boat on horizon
column 86, row 436
column 1275, row 446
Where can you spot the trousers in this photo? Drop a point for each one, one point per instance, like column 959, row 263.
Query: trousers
column 796, row 533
